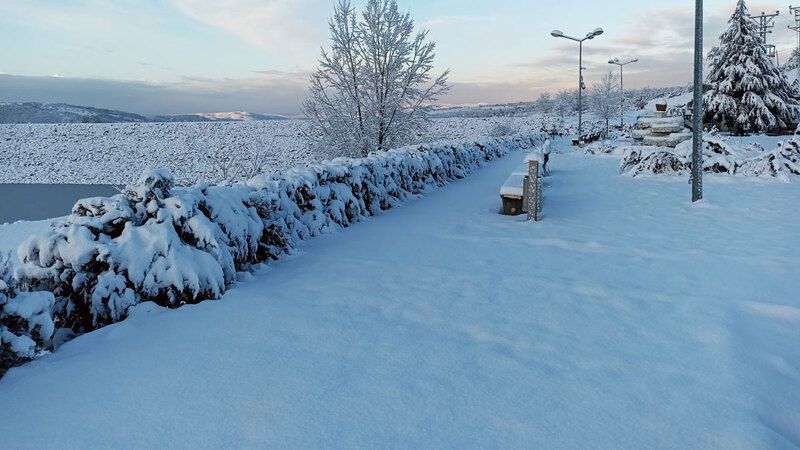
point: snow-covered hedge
(177, 245)
(26, 323)
(719, 156)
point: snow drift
(156, 242)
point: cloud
(84, 17)
(662, 39)
(471, 93)
(275, 94)
(266, 23)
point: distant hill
(240, 116)
(30, 112)
(62, 113)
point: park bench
(587, 138)
(519, 193)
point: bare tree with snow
(373, 89)
(544, 103)
(565, 103)
(604, 99)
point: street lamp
(697, 108)
(581, 86)
(617, 62)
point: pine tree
(748, 92)
(790, 69)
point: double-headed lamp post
(581, 85)
(617, 62)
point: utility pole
(795, 10)
(766, 22)
(697, 118)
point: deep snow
(627, 318)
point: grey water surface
(44, 201)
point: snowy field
(118, 153)
(628, 318)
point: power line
(795, 10)
(765, 23)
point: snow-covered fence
(177, 245)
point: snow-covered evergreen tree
(748, 92)
(374, 87)
(790, 69)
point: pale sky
(181, 56)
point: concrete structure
(663, 129)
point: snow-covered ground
(118, 153)
(627, 318)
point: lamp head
(557, 33)
(597, 32)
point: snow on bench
(513, 187)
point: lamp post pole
(580, 92)
(592, 35)
(615, 61)
(697, 115)
(621, 100)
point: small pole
(697, 147)
(534, 191)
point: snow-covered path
(628, 318)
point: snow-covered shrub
(780, 163)
(719, 156)
(652, 161)
(602, 148)
(26, 325)
(176, 245)
(153, 242)
(501, 130)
